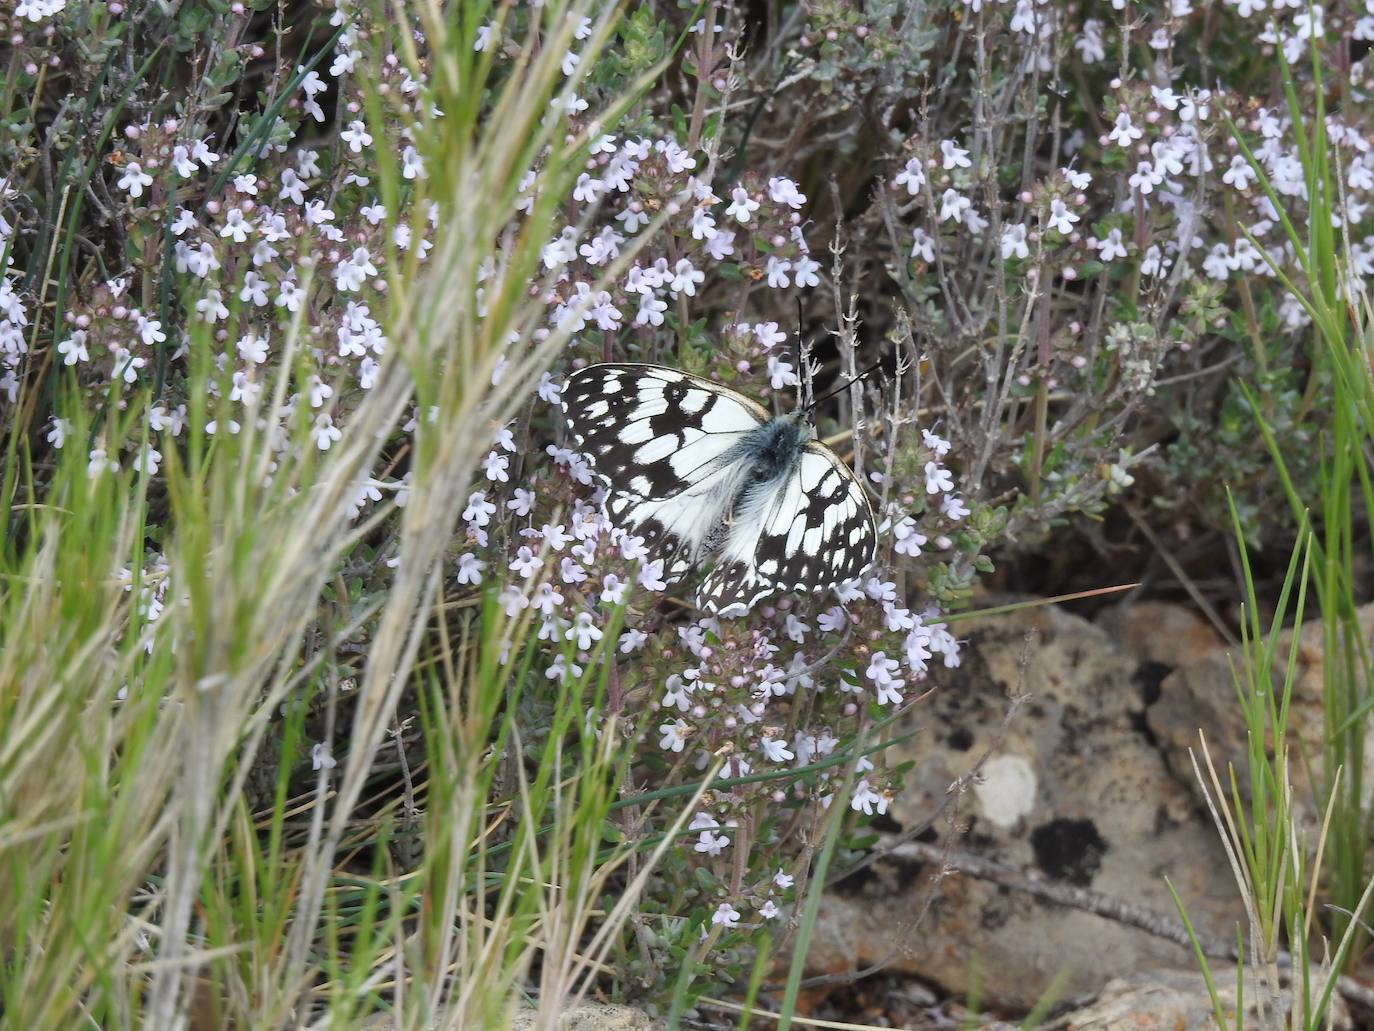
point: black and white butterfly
(704, 473)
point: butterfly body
(705, 474)
(772, 450)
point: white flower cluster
(296, 242)
(37, 10)
(267, 256)
(14, 317)
(1149, 218)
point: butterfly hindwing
(644, 519)
(814, 530)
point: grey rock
(1075, 793)
(590, 1016)
(1200, 695)
(1179, 1000)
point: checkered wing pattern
(653, 432)
(813, 531)
(680, 457)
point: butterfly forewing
(673, 452)
(652, 432)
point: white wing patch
(695, 400)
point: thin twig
(1199, 599)
(1107, 906)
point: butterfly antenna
(845, 386)
(802, 380)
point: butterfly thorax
(766, 456)
(770, 452)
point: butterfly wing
(811, 532)
(652, 432)
(664, 444)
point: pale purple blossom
(953, 204)
(742, 206)
(1113, 247)
(674, 738)
(470, 569)
(1124, 132)
(804, 270)
(726, 915)
(1060, 217)
(867, 800)
(912, 176)
(938, 478)
(775, 749)
(953, 156)
(1014, 241)
(781, 373)
(134, 180)
(922, 245)
(785, 191)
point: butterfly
(705, 474)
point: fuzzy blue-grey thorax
(771, 450)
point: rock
(1161, 632)
(579, 1016)
(1200, 694)
(1075, 793)
(1179, 1001)
(591, 1016)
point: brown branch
(1107, 906)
